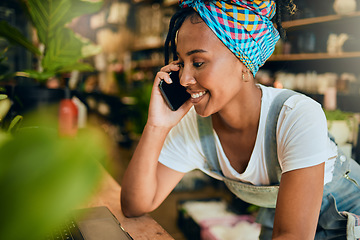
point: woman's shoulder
(298, 100)
(300, 111)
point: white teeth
(197, 95)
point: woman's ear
(246, 75)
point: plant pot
(340, 130)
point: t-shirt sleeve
(175, 152)
(302, 134)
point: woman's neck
(243, 113)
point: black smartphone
(175, 94)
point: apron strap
(208, 143)
(272, 162)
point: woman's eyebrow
(194, 51)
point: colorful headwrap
(243, 26)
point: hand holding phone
(174, 94)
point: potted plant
(60, 50)
(340, 125)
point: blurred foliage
(5, 105)
(337, 115)
(139, 111)
(43, 177)
(63, 49)
(4, 67)
(14, 36)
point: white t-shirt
(302, 141)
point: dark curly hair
(183, 13)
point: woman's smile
(197, 97)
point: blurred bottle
(82, 112)
(330, 100)
(68, 116)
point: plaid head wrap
(244, 27)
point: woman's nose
(186, 78)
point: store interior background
(321, 58)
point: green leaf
(15, 124)
(41, 76)
(43, 177)
(5, 105)
(63, 50)
(51, 15)
(82, 67)
(14, 36)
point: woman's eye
(197, 64)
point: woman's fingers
(163, 76)
(164, 72)
(173, 66)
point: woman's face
(211, 73)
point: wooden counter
(140, 227)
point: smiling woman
(268, 145)
(203, 60)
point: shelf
(322, 19)
(286, 25)
(292, 25)
(148, 63)
(313, 56)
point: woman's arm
(298, 204)
(147, 182)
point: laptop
(95, 223)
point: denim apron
(335, 222)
